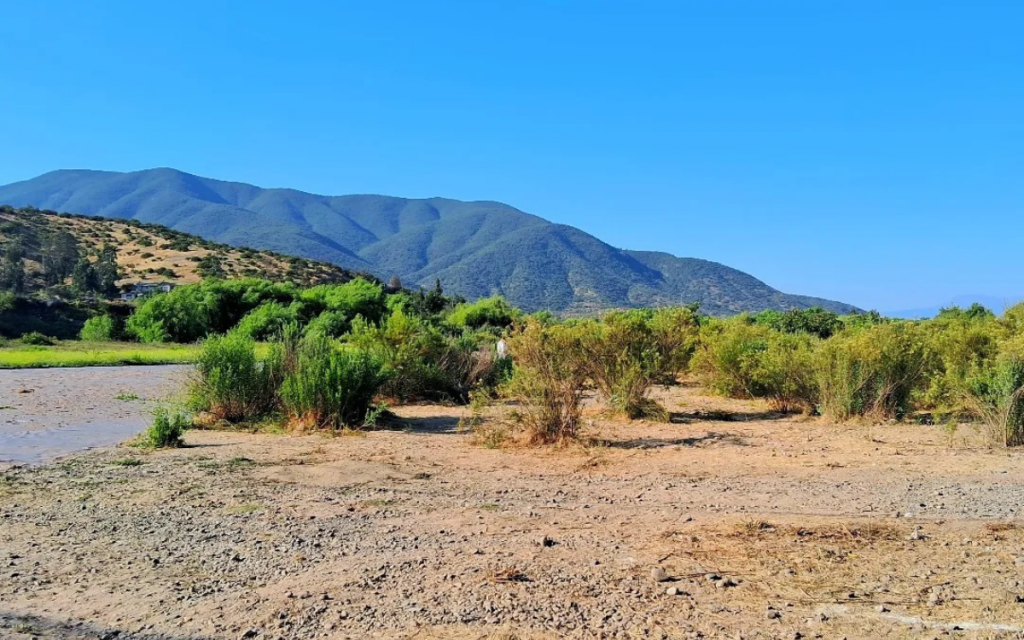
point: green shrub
(267, 320)
(331, 388)
(626, 362)
(37, 339)
(872, 372)
(815, 321)
(183, 315)
(232, 383)
(331, 324)
(423, 363)
(552, 367)
(356, 298)
(783, 373)
(962, 345)
(167, 429)
(996, 394)
(98, 329)
(738, 358)
(728, 354)
(492, 312)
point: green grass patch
(127, 462)
(74, 353)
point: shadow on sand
(710, 438)
(32, 626)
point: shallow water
(41, 445)
(48, 413)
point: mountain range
(475, 249)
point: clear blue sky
(867, 151)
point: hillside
(475, 248)
(147, 252)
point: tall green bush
(98, 329)
(996, 393)
(728, 353)
(267, 320)
(628, 357)
(331, 387)
(493, 312)
(872, 372)
(232, 383)
(421, 361)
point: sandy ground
(45, 413)
(729, 523)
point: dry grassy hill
(151, 253)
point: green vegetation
(167, 429)
(92, 354)
(231, 382)
(98, 329)
(550, 378)
(331, 387)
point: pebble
(658, 574)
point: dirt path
(765, 527)
(46, 413)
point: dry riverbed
(730, 522)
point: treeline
(965, 364)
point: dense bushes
(192, 312)
(99, 329)
(359, 341)
(331, 387)
(314, 382)
(232, 383)
(871, 372)
(422, 362)
(491, 312)
(631, 351)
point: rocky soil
(730, 522)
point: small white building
(145, 289)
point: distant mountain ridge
(475, 248)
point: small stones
(659, 575)
(772, 614)
(672, 591)
(251, 633)
(882, 609)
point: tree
(106, 270)
(83, 277)
(12, 268)
(59, 256)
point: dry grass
(504, 575)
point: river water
(48, 413)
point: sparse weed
(167, 429)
